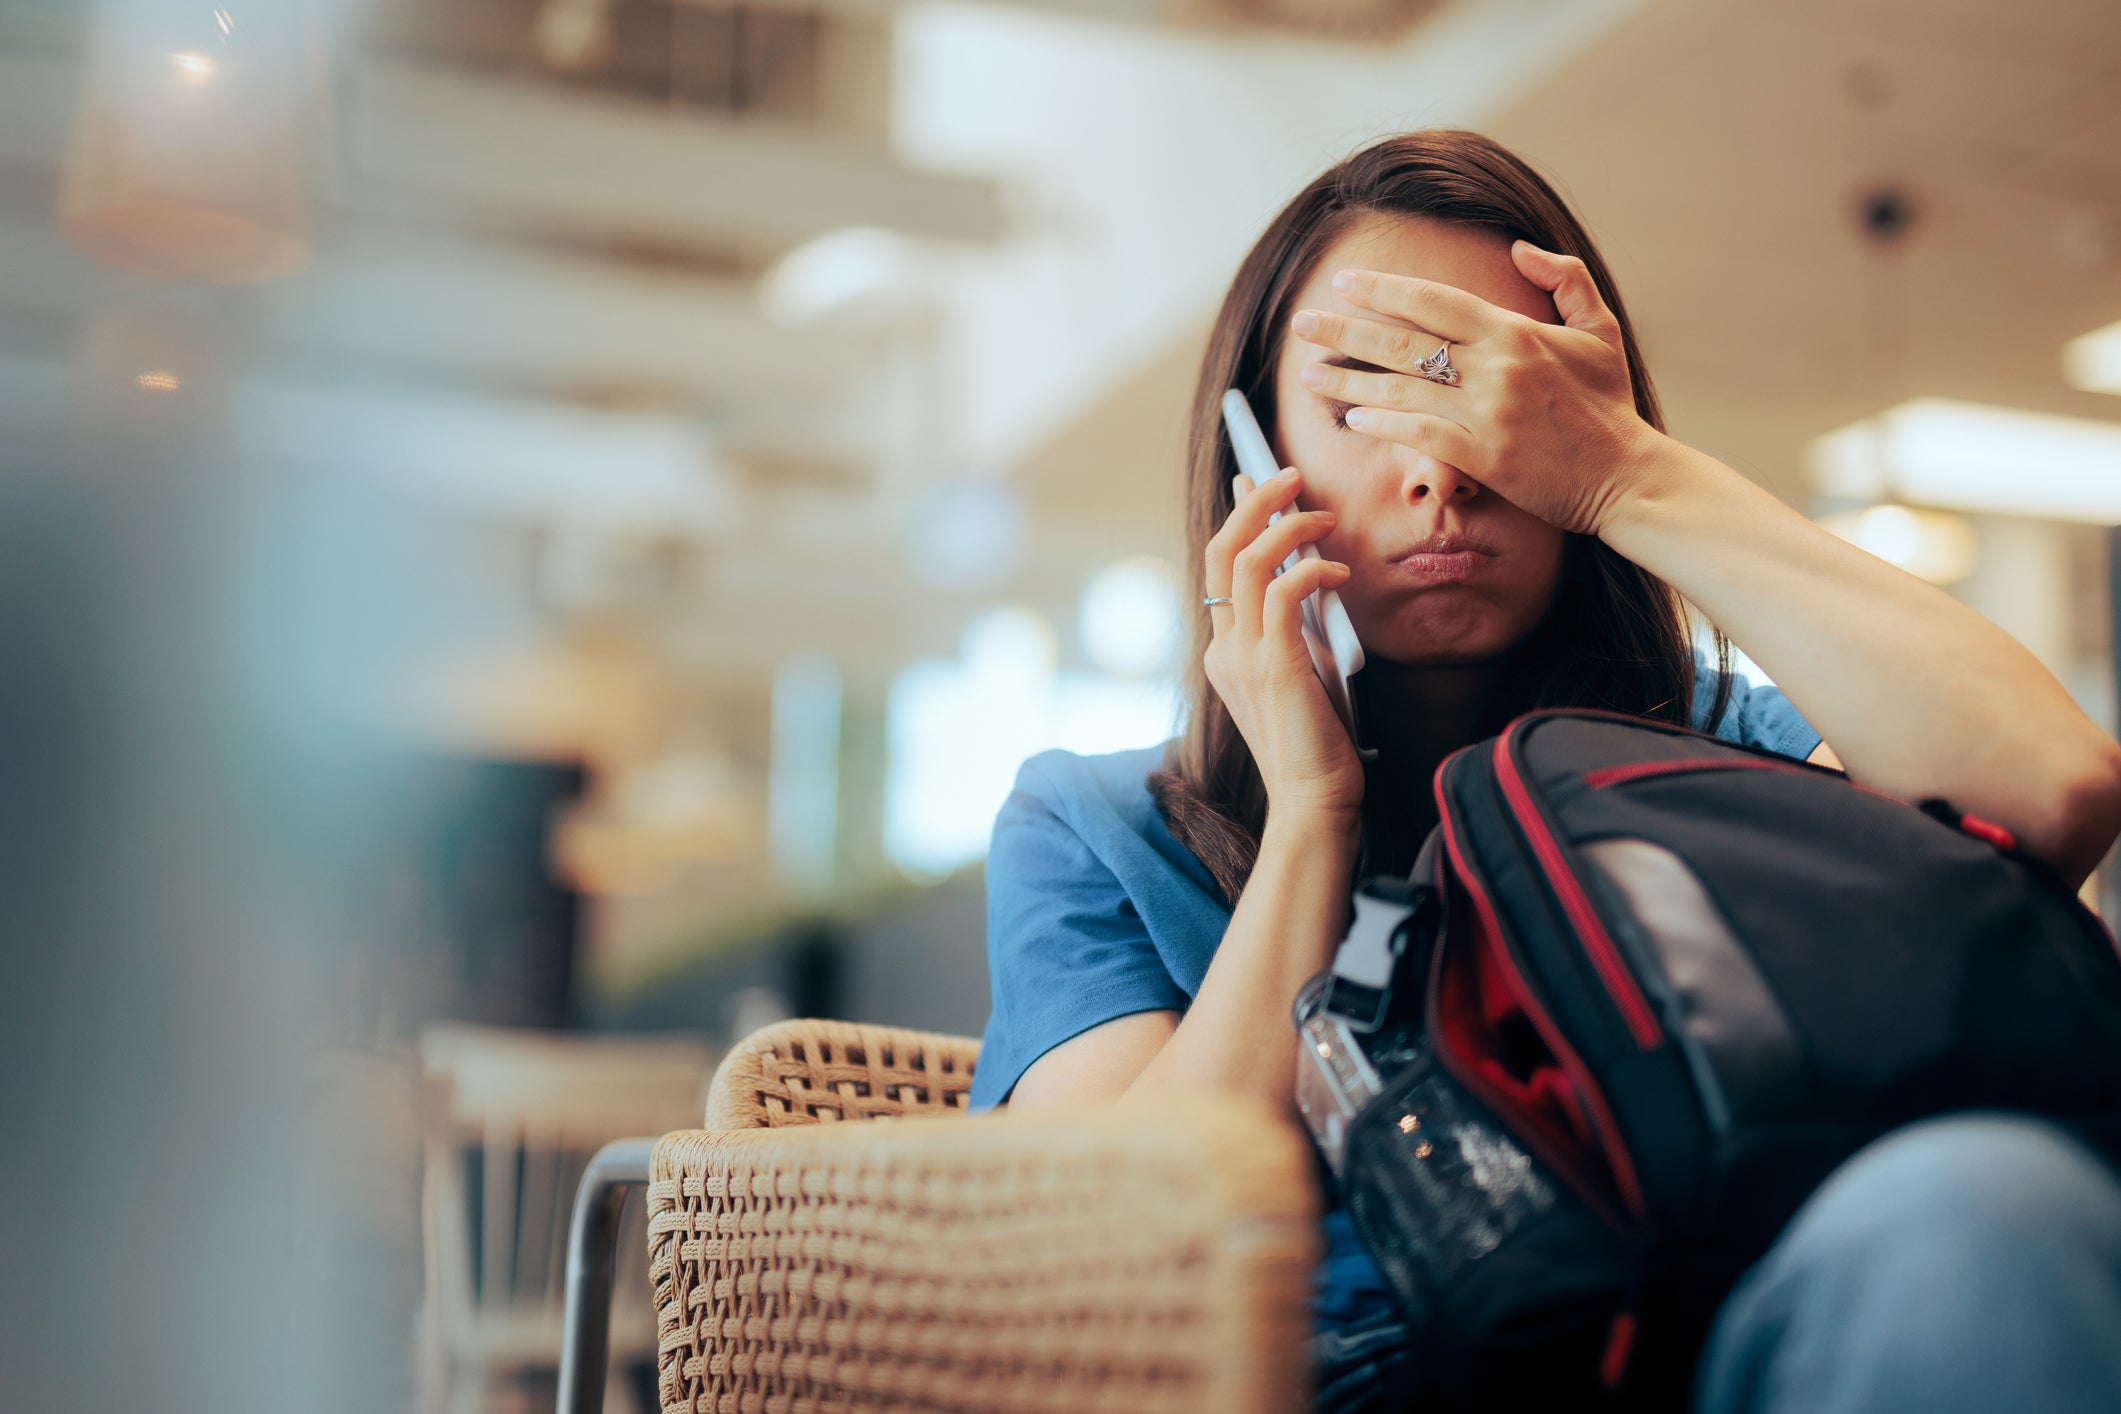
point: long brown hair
(1617, 636)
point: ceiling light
(2093, 362)
(185, 164)
(574, 35)
(1972, 457)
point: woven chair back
(820, 1072)
(1143, 1260)
(1139, 1260)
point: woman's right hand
(1257, 661)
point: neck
(1419, 715)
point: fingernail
(1344, 281)
(1357, 417)
(1287, 474)
(1305, 322)
(1314, 375)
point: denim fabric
(1359, 1345)
(1363, 1366)
(1959, 1265)
(1964, 1264)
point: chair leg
(592, 1246)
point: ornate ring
(1437, 366)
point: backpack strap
(1387, 912)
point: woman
(1519, 537)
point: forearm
(1237, 1034)
(1918, 695)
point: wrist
(1314, 823)
(1655, 472)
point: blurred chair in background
(1150, 1255)
(512, 1120)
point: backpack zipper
(1619, 982)
(1607, 776)
(1589, 1095)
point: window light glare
(959, 728)
(838, 269)
(1129, 619)
(193, 67)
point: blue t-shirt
(1095, 912)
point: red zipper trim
(1587, 1090)
(1988, 831)
(1570, 1172)
(1619, 1345)
(1619, 982)
(1606, 776)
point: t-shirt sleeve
(1755, 716)
(1066, 948)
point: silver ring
(1437, 366)
(1213, 600)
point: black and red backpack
(1643, 989)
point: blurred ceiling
(574, 205)
(1724, 154)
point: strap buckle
(1359, 989)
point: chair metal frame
(615, 1173)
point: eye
(1340, 413)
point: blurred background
(534, 535)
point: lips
(1445, 559)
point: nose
(1428, 479)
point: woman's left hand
(1543, 414)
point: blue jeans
(1971, 1263)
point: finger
(1569, 280)
(1394, 347)
(1394, 391)
(1221, 616)
(1282, 615)
(1438, 437)
(1243, 525)
(1443, 310)
(1254, 568)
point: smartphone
(1335, 651)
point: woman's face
(1444, 570)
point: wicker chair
(1138, 1256)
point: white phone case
(1335, 651)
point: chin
(1437, 635)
